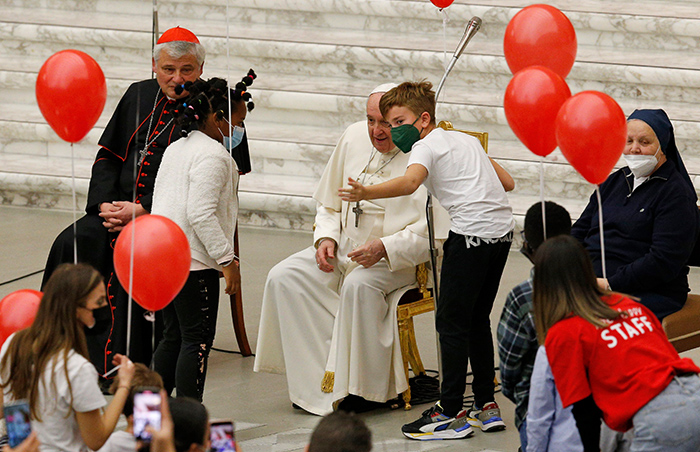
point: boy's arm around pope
(400, 186)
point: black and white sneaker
(433, 424)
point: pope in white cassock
(329, 312)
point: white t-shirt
(58, 430)
(120, 441)
(465, 183)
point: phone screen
(17, 422)
(222, 437)
(146, 412)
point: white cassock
(339, 330)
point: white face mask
(641, 165)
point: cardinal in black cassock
(138, 133)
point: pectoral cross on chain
(357, 211)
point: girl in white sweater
(196, 187)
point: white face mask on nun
(641, 165)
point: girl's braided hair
(210, 96)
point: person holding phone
(223, 438)
(31, 444)
(59, 382)
(125, 441)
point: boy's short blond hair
(418, 97)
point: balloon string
(234, 214)
(544, 215)
(133, 232)
(600, 226)
(75, 205)
(445, 19)
(228, 71)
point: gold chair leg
(413, 353)
(404, 338)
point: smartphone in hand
(17, 422)
(222, 436)
(147, 402)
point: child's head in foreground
(143, 376)
(340, 432)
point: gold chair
(420, 300)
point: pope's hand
(356, 191)
(368, 254)
(325, 251)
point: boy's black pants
(471, 274)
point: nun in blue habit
(650, 218)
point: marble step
(282, 88)
(618, 24)
(51, 32)
(290, 167)
(257, 207)
(24, 130)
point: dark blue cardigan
(649, 233)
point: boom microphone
(473, 26)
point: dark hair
(55, 332)
(341, 432)
(558, 223)
(565, 285)
(210, 97)
(190, 420)
(143, 376)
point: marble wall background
(317, 60)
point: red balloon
(71, 92)
(161, 260)
(540, 35)
(442, 3)
(591, 132)
(532, 100)
(17, 311)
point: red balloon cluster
(71, 92)
(17, 311)
(533, 99)
(161, 260)
(591, 131)
(540, 35)
(589, 128)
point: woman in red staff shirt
(610, 357)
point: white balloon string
(600, 227)
(228, 72)
(544, 215)
(75, 205)
(133, 230)
(234, 213)
(445, 19)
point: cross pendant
(142, 155)
(357, 211)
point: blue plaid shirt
(517, 347)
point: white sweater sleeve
(208, 176)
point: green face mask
(405, 136)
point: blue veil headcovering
(662, 127)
